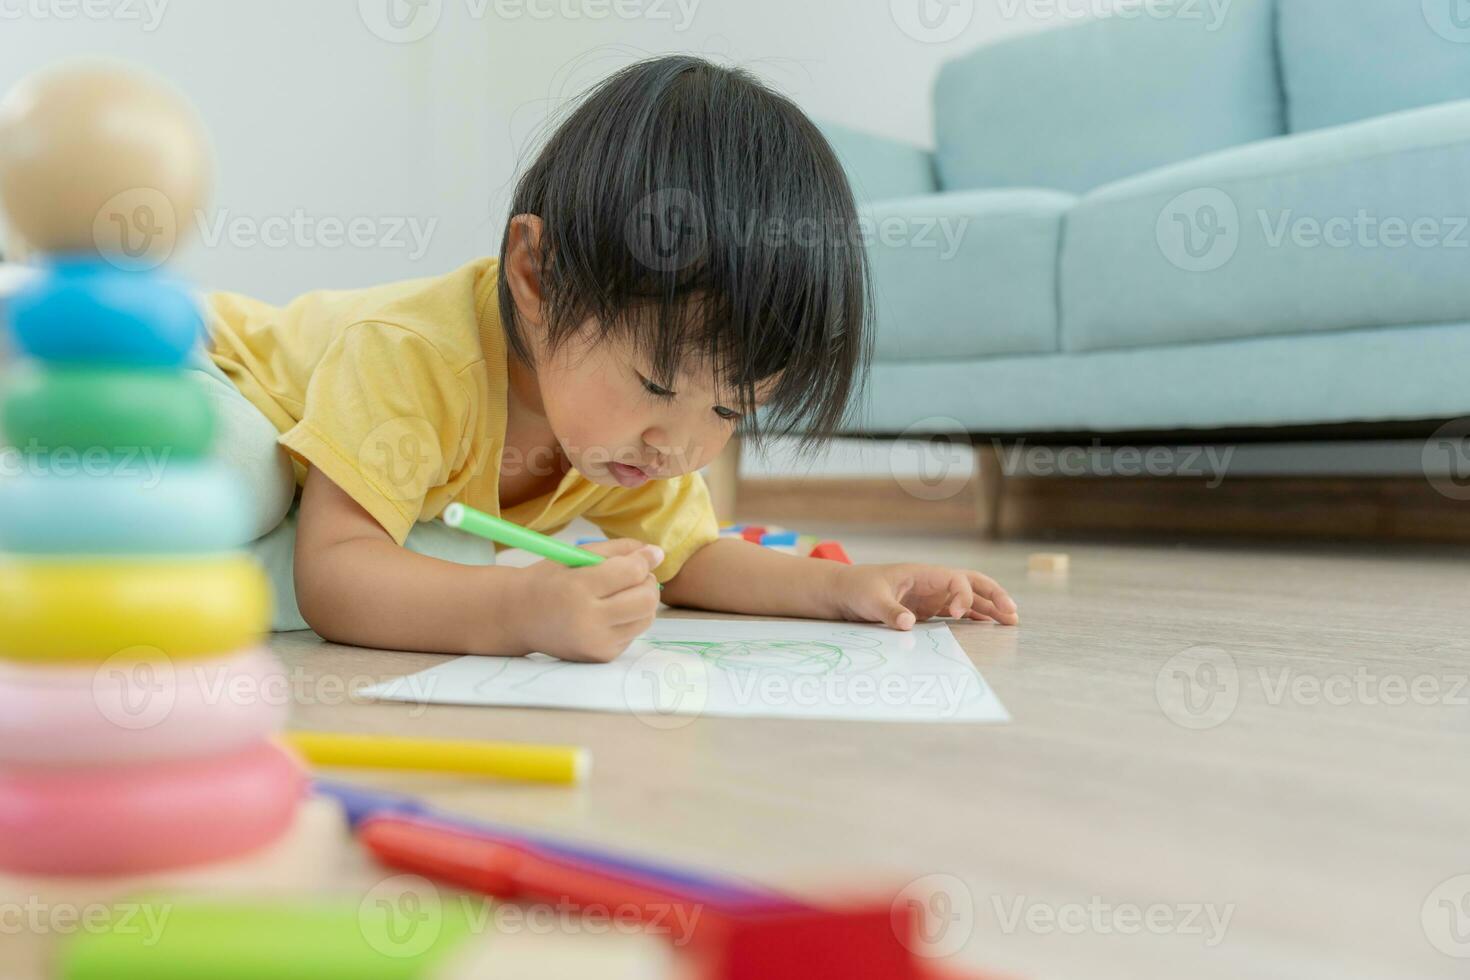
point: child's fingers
(624, 572)
(988, 588)
(626, 633)
(896, 615)
(632, 605)
(994, 603)
(984, 607)
(612, 643)
(615, 548)
(961, 595)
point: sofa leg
(990, 484)
(723, 477)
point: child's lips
(628, 476)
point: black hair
(689, 208)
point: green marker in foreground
(501, 531)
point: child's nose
(660, 444)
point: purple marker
(360, 803)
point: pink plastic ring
(131, 712)
(134, 819)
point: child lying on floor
(681, 264)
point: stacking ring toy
(86, 311)
(144, 410)
(183, 507)
(133, 819)
(139, 713)
(68, 611)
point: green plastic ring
(85, 408)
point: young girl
(682, 263)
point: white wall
(317, 118)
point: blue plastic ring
(137, 508)
(89, 312)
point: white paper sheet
(684, 668)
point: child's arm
(355, 585)
(731, 575)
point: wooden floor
(1211, 772)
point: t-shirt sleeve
(384, 418)
(676, 515)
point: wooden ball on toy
(98, 159)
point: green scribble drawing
(811, 657)
(531, 680)
(945, 652)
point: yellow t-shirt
(397, 393)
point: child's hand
(901, 595)
(590, 615)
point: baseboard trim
(1335, 508)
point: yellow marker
(505, 760)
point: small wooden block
(1055, 562)
(832, 551)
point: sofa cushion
(1354, 226)
(1345, 60)
(1352, 376)
(1078, 106)
(965, 275)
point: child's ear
(521, 266)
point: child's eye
(656, 390)
(727, 414)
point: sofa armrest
(968, 274)
(880, 168)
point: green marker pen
(403, 929)
(501, 531)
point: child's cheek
(598, 414)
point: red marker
(758, 940)
(521, 872)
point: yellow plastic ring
(89, 611)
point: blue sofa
(1159, 222)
